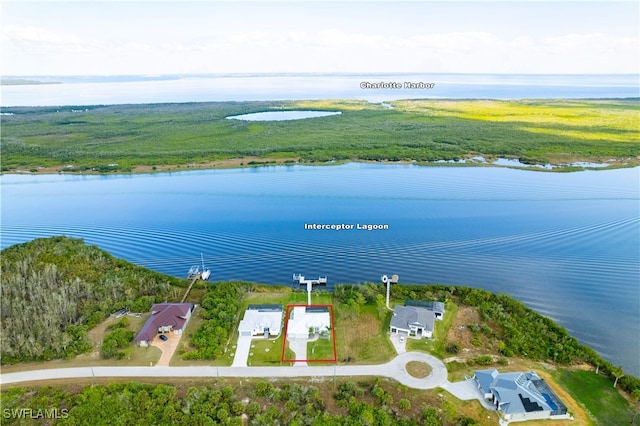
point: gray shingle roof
(404, 316)
(431, 305)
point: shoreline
(252, 162)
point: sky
(170, 37)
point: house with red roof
(165, 318)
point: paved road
(395, 369)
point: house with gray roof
(412, 321)
(416, 318)
(519, 396)
(431, 305)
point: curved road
(394, 369)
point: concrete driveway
(242, 351)
(399, 346)
(299, 346)
(168, 347)
(467, 390)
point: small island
(68, 305)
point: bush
(484, 360)
(453, 348)
(404, 404)
(123, 323)
(252, 409)
(115, 340)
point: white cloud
(31, 34)
(325, 50)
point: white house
(304, 320)
(519, 396)
(261, 320)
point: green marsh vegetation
(126, 138)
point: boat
(206, 273)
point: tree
(617, 373)
(404, 404)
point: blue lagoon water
(566, 244)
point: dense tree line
(220, 308)
(55, 289)
(261, 404)
(520, 330)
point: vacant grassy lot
(363, 338)
(124, 138)
(597, 396)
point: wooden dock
(194, 278)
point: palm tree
(617, 373)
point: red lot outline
(333, 335)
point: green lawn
(317, 298)
(321, 349)
(119, 138)
(286, 296)
(266, 352)
(597, 395)
(436, 345)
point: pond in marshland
(282, 115)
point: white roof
(302, 320)
(257, 320)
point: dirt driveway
(167, 347)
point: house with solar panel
(520, 396)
